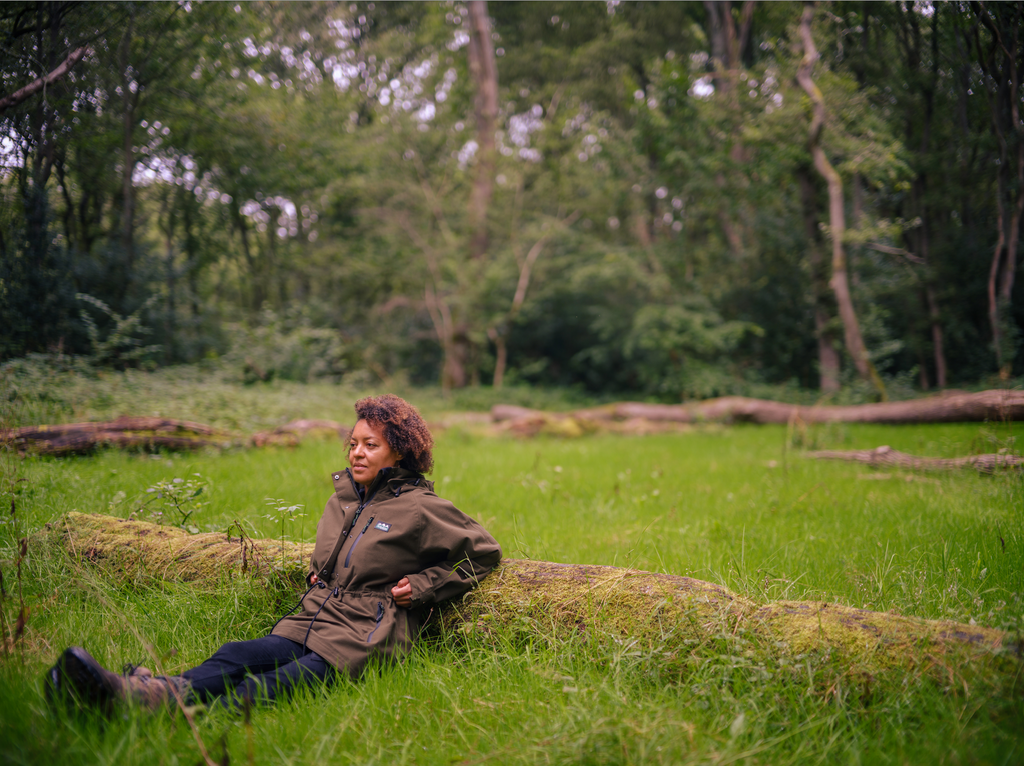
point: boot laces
(129, 670)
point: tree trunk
(938, 346)
(840, 280)
(456, 355)
(1000, 405)
(68, 214)
(934, 317)
(1001, 65)
(828, 355)
(170, 269)
(497, 333)
(192, 264)
(129, 101)
(729, 37)
(887, 457)
(256, 297)
(678, 614)
(484, 72)
(497, 336)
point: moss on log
(130, 549)
(157, 433)
(125, 432)
(536, 596)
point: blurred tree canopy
(614, 195)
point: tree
(483, 70)
(41, 43)
(608, 205)
(837, 225)
(999, 56)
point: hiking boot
(78, 675)
(154, 692)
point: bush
(288, 347)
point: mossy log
(950, 407)
(655, 610)
(125, 432)
(887, 457)
(157, 433)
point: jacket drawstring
(305, 638)
(318, 583)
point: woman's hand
(402, 593)
(313, 579)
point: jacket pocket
(380, 616)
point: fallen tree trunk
(655, 609)
(153, 433)
(290, 434)
(72, 438)
(887, 457)
(995, 405)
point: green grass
(735, 506)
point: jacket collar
(395, 478)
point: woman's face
(369, 452)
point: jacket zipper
(346, 532)
(380, 616)
(348, 557)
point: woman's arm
(467, 552)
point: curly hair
(403, 428)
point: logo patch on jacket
(382, 526)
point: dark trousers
(261, 669)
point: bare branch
(531, 257)
(43, 82)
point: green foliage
(677, 348)
(180, 498)
(302, 178)
(285, 514)
(288, 347)
(118, 347)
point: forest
(669, 200)
(702, 261)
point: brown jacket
(400, 528)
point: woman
(387, 550)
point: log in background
(996, 405)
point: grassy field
(738, 506)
